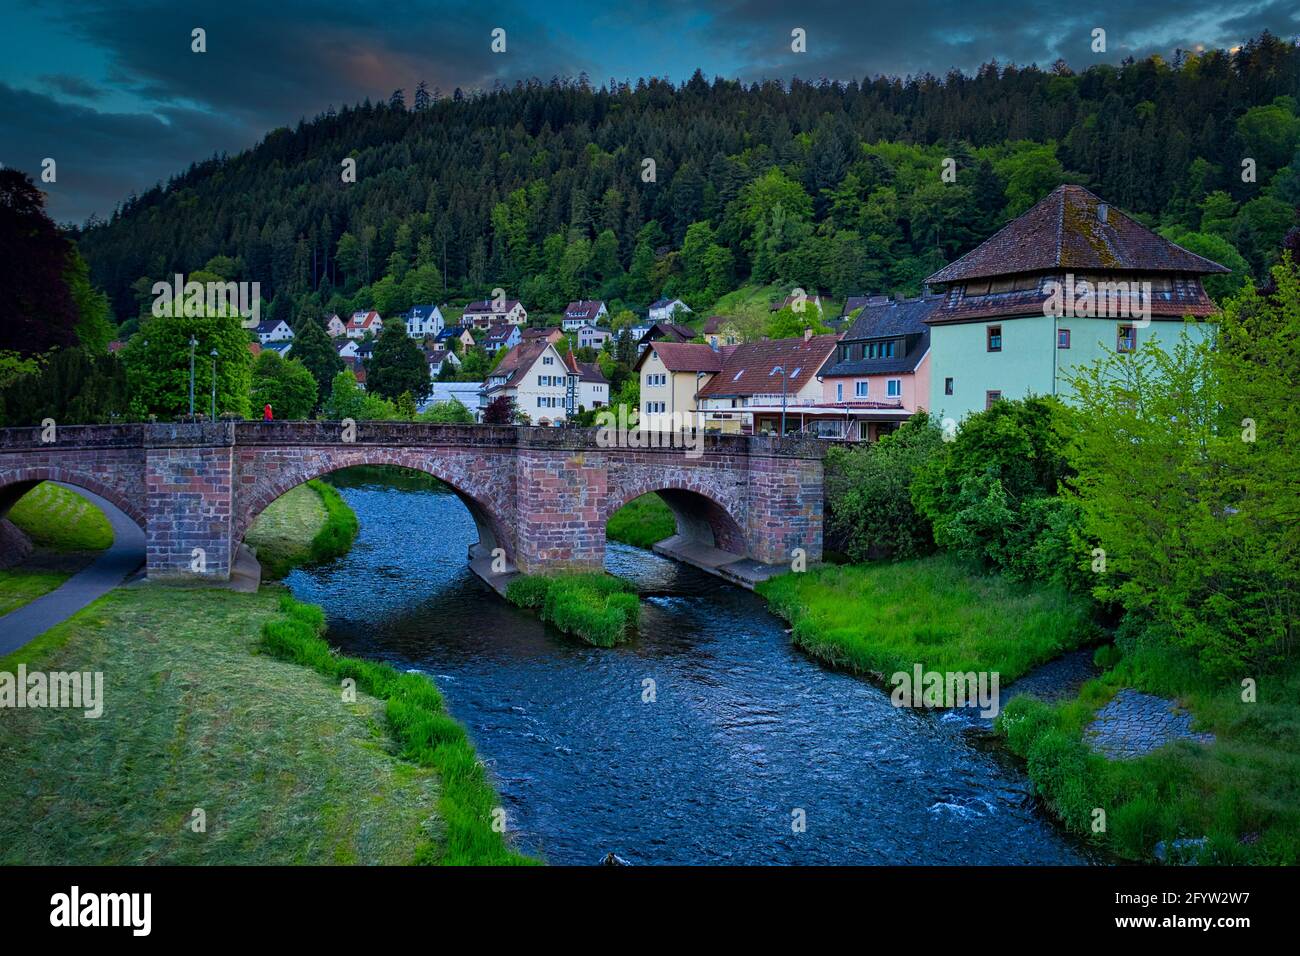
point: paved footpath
(1133, 724)
(111, 568)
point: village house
(364, 322)
(358, 370)
(759, 381)
(1070, 281)
(487, 313)
(501, 337)
(466, 393)
(274, 330)
(281, 348)
(591, 337)
(422, 321)
(667, 331)
(551, 334)
(335, 327)
(458, 332)
(671, 373)
(583, 312)
(720, 330)
(588, 387)
(535, 376)
(440, 359)
(879, 372)
(667, 310)
(347, 348)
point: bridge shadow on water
(706, 739)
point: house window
(547, 360)
(1062, 338)
(990, 397)
(839, 391)
(1126, 339)
(995, 338)
(860, 389)
(947, 386)
(894, 387)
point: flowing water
(707, 739)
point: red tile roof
(1065, 231)
(517, 362)
(747, 369)
(685, 356)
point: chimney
(807, 333)
(1102, 211)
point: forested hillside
(544, 188)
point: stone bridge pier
(540, 497)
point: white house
(422, 320)
(439, 358)
(363, 322)
(274, 330)
(282, 347)
(335, 326)
(664, 310)
(589, 336)
(487, 313)
(583, 312)
(347, 349)
(535, 376)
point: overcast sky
(112, 91)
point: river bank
(229, 735)
(694, 743)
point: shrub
(598, 608)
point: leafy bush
(868, 493)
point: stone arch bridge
(541, 495)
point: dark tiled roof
(518, 361)
(885, 318)
(671, 331)
(747, 369)
(583, 309)
(1064, 231)
(684, 356)
(487, 307)
(586, 371)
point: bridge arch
(492, 528)
(17, 482)
(702, 518)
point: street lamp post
(193, 343)
(213, 353)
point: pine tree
(397, 365)
(313, 348)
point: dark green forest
(544, 188)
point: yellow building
(671, 373)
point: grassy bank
(641, 522)
(1242, 792)
(598, 608)
(427, 736)
(884, 618)
(197, 715)
(66, 530)
(305, 525)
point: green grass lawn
(66, 531)
(308, 523)
(1242, 791)
(22, 585)
(884, 618)
(601, 609)
(196, 717)
(61, 520)
(641, 522)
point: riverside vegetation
(601, 609)
(1157, 516)
(228, 736)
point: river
(738, 740)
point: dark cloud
(71, 86)
(162, 106)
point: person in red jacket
(266, 413)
